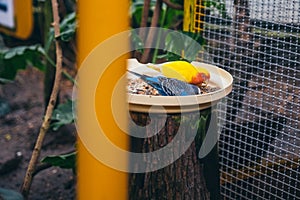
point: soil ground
(18, 132)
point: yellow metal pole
(99, 20)
(188, 18)
(193, 16)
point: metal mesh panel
(258, 42)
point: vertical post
(193, 15)
(188, 18)
(99, 20)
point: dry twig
(47, 118)
(173, 5)
(152, 32)
(144, 19)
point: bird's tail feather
(153, 81)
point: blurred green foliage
(16, 58)
(177, 45)
(20, 57)
(65, 161)
(62, 115)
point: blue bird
(169, 86)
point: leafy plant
(182, 46)
(152, 13)
(62, 115)
(14, 59)
(136, 11)
(136, 42)
(67, 30)
(65, 161)
(170, 16)
(63, 31)
(17, 58)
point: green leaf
(3, 81)
(136, 41)
(10, 53)
(172, 17)
(62, 115)
(65, 161)
(68, 21)
(136, 10)
(136, 16)
(67, 35)
(49, 40)
(67, 30)
(68, 27)
(177, 43)
(7, 194)
(14, 59)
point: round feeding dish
(177, 104)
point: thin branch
(65, 73)
(144, 19)
(41, 167)
(173, 5)
(152, 32)
(47, 118)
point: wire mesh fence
(258, 42)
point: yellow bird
(185, 71)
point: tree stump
(184, 178)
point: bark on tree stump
(182, 179)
